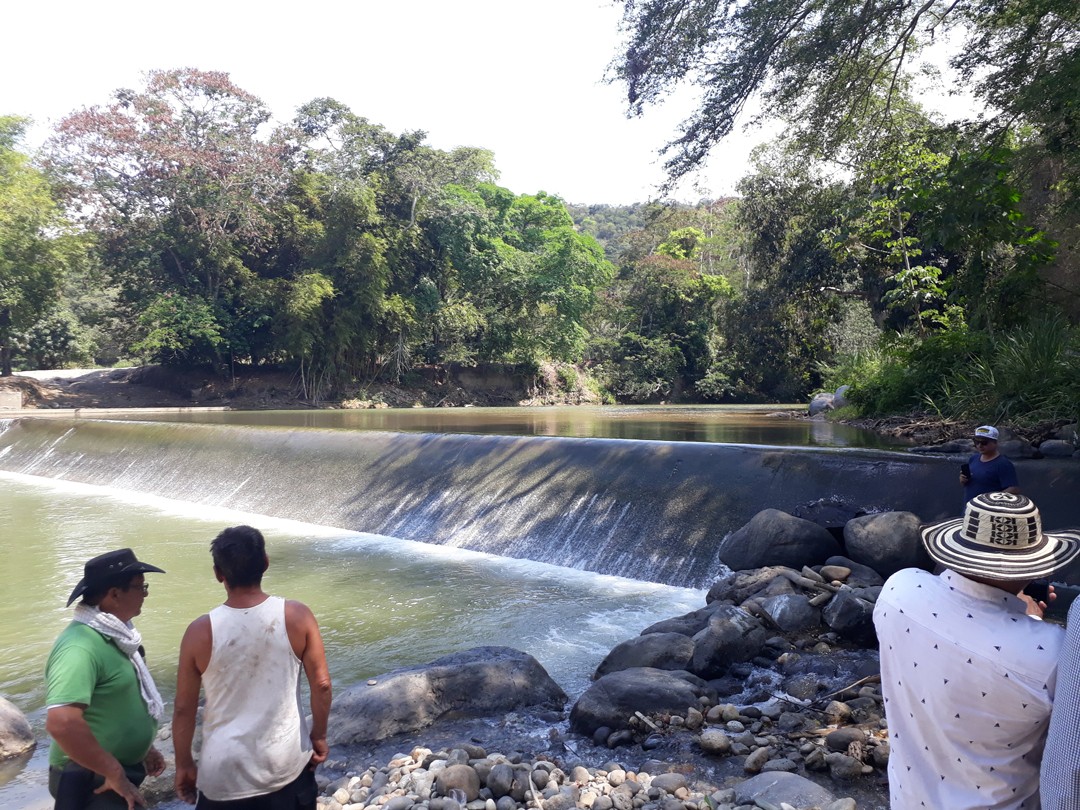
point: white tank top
(255, 736)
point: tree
(180, 182)
(34, 246)
(832, 67)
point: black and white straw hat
(1000, 536)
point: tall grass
(1026, 376)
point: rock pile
(468, 778)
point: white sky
(519, 77)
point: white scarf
(128, 639)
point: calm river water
(382, 603)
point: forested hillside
(931, 264)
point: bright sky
(523, 79)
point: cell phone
(965, 470)
(1038, 589)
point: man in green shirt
(103, 706)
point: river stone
(821, 403)
(1016, 448)
(862, 576)
(733, 636)
(779, 786)
(1057, 448)
(458, 777)
(739, 586)
(714, 741)
(612, 700)
(841, 766)
(1068, 433)
(840, 739)
(887, 542)
(851, 617)
(16, 735)
(840, 399)
(830, 513)
(688, 624)
(791, 612)
(413, 698)
(657, 650)
(773, 537)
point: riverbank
(268, 388)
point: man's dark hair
(240, 556)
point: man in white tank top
(257, 752)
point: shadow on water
(647, 510)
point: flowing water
(382, 603)
(412, 534)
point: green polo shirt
(87, 667)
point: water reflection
(764, 425)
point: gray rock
(714, 741)
(773, 537)
(887, 542)
(1016, 448)
(1057, 448)
(778, 787)
(670, 782)
(840, 396)
(458, 777)
(742, 585)
(821, 403)
(658, 650)
(840, 739)
(781, 764)
(1068, 433)
(16, 735)
(410, 699)
(851, 617)
(733, 636)
(757, 759)
(841, 766)
(688, 624)
(861, 575)
(614, 698)
(791, 612)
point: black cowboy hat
(110, 566)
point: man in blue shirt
(990, 471)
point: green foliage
(179, 331)
(1024, 376)
(56, 341)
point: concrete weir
(649, 510)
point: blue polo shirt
(989, 476)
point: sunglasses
(982, 441)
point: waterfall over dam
(649, 510)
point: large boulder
(612, 700)
(657, 650)
(773, 537)
(887, 542)
(16, 735)
(479, 682)
(1057, 448)
(732, 636)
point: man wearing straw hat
(103, 706)
(967, 670)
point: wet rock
(791, 612)
(860, 576)
(835, 573)
(821, 403)
(756, 760)
(732, 636)
(688, 624)
(1016, 448)
(798, 791)
(781, 764)
(773, 537)
(412, 698)
(743, 585)
(669, 651)
(714, 741)
(16, 735)
(887, 542)
(850, 616)
(614, 698)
